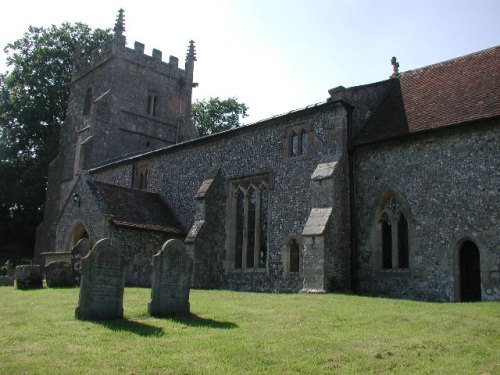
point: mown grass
(249, 333)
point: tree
(34, 95)
(215, 115)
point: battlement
(117, 48)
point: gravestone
(102, 282)
(78, 251)
(29, 276)
(172, 269)
(6, 281)
(59, 274)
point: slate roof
(453, 92)
(136, 208)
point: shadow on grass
(131, 326)
(193, 320)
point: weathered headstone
(102, 282)
(78, 251)
(59, 274)
(29, 276)
(172, 269)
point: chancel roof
(136, 208)
(453, 92)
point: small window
(152, 102)
(88, 102)
(140, 176)
(386, 242)
(299, 141)
(403, 241)
(294, 250)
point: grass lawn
(249, 333)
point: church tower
(121, 102)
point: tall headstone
(59, 274)
(172, 269)
(78, 251)
(102, 282)
(29, 276)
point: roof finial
(395, 67)
(120, 23)
(191, 54)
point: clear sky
(280, 55)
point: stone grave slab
(172, 270)
(29, 276)
(102, 283)
(59, 274)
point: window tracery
(394, 235)
(250, 224)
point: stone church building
(389, 188)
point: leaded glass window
(250, 210)
(294, 145)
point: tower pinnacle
(191, 54)
(120, 23)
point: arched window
(250, 222)
(394, 237)
(140, 172)
(88, 102)
(294, 249)
(470, 272)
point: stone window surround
(393, 206)
(234, 184)
(299, 130)
(152, 101)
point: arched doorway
(76, 233)
(470, 273)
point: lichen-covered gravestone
(78, 251)
(59, 274)
(29, 277)
(172, 269)
(102, 282)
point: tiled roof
(453, 92)
(136, 208)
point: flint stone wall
(178, 172)
(449, 180)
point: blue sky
(280, 55)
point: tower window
(88, 102)
(152, 103)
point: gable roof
(453, 92)
(136, 208)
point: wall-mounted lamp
(76, 199)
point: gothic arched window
(304, 142)
(393, 234)
(294, 145)
(250, 223)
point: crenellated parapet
(82, 65)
